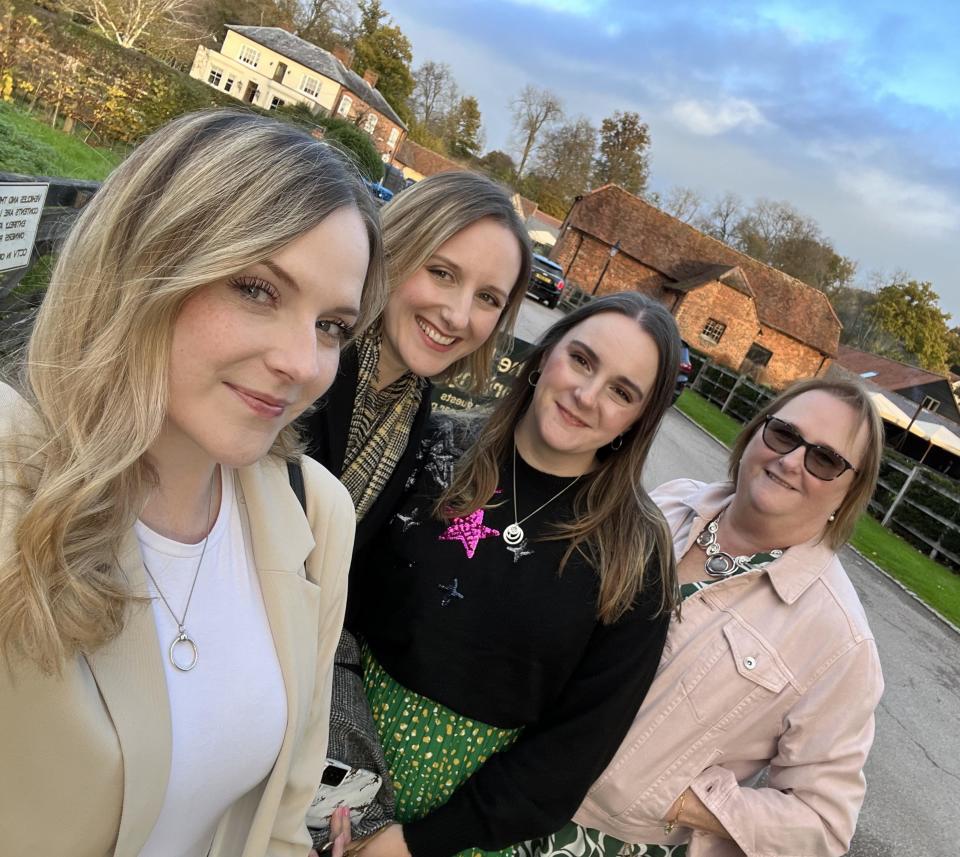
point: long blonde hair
(198, 201)
(427, 215)
(616, 525)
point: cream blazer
(85, 757)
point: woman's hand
(339, 831)
(694, 813)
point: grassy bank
(935, 585)
(32, 147)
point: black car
(686, 369)
(546, 281)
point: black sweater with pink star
(495, 633)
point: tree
(434, 93)
(684, 203)
(533, 110)
(909, 311)
(953, 350)
(624, 159)
(466, 136)
(324, 22)
(128, 22)
(563, 165)
(383, 48)
(498, 165)
(721, 220)
(778, 234)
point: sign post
(21, 206)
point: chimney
(344, 54)
(371, 77)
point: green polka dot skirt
(430, 750)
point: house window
(281, 72)
(713, 331)
(930, 403)
(345, 104)
(228, 86)
(310, 86)
(758, 355)
(215, 76)
(251, 56)
(394, 136)
(369, 122)
(276, 102)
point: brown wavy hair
(616, 526)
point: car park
(546, 281)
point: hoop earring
(533, 377)
(616, 443)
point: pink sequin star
(468, 530)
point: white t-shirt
(229, 712)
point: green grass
(30, 146)
(932, 583)
(709, 417)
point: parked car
(380, 193)
(686, 370)
(546, 281)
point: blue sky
(848, 110)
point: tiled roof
(425, 161)
(309, 55)
(890, 374)
(681, 252)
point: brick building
(270, 67)
(417, 162)
(740, 312)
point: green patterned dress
(574, 840)
(430, 750)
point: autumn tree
(326, 23)
(129, 22)
(466, 132)
(434, 95)
(684, 203)
(624, 157)
(562, 167)
(953, 350)
(381, 46)
(909, 311)
(534, 109)
(498, 165)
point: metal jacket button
(749, 663)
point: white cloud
(710, 119)
(914, 207)
(583, 8)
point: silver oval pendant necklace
(513, 533)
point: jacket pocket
(734, 671)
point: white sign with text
(20, 208)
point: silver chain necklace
(720, 563)
(183, 638)
(513, 534)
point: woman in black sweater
(515, 610)
(458, 262)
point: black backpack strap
(295, 473)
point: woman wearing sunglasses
(772, 663)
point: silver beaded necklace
(513, 534)
(183, 637)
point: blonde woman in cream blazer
(169, 611)
(86, 755)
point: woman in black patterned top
(458, 262)
(515, 610)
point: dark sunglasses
(820, 461)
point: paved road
(913, 773)
(912, 805)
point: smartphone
(342, 785)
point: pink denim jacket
(775, 667)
